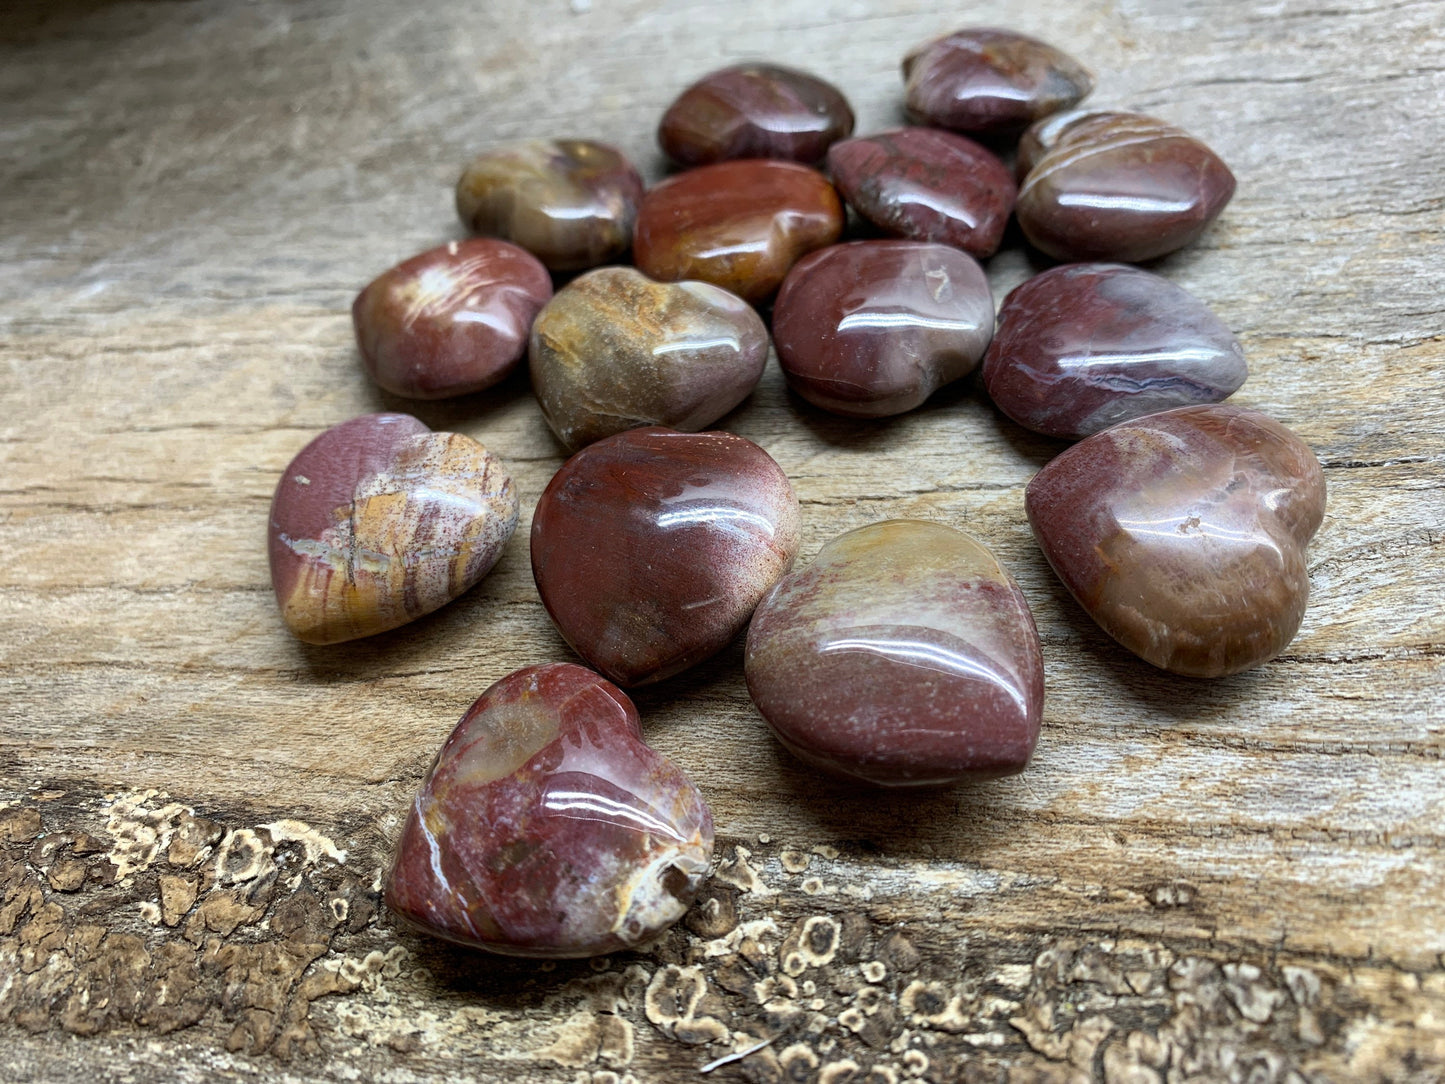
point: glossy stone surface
(755, 111)
(738, 225)
(379, 520)
(615, 350)
(872, 328)
(904, 655)
(570, 202)
(1085, 346)
(651, 548)
(547, 828)
(1117, 186)
(991, 81)
(926, 185)
(1183, 534)
(452, 320)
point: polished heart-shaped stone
(1116, 186)
(546, 827)
(754, 111)
(651, 548)
(615, 350)
(904, 655)
(739, 225)
(986, 80)
(569, 202)
(1085, 346)
(873, 328)
(379, 520)
(1183, 534)
(926, 185)
(452, 320)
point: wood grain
(1237, 880)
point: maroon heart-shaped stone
(546, 827)
(1085, 346)
(651, 548)
(1183, 534)
(379, 520)
(904, 655)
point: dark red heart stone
(983, 80)
(1183, 534)
(1117, 186)
(452, 320)
(873, 328)
(546, 827)
(926, 185)
(904, 655)
(755, 111)
(738, 225)
(651, 548)
(1085, 346)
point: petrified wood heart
(651, 548)
(379, 520)
(904, 655)
(547, 828)
(1183, 534)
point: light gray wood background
(1236, 880)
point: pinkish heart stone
(546, 827)
(1183, 534)
(904, 655)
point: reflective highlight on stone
(926, 185)
(983, 80)
(872, 328)
(904, 655)
(379, 520)
(547, 828)
(452, 320)
(570, 202)
(1117, 186)
(1183, 534)
(615, 350)
(755, 111)
(738, 225)
(651, 548)
(1085, 346)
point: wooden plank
(1224, 881)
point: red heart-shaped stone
(1183, 534)
(546, 827)
(651, 548)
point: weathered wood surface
(1239, 880)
